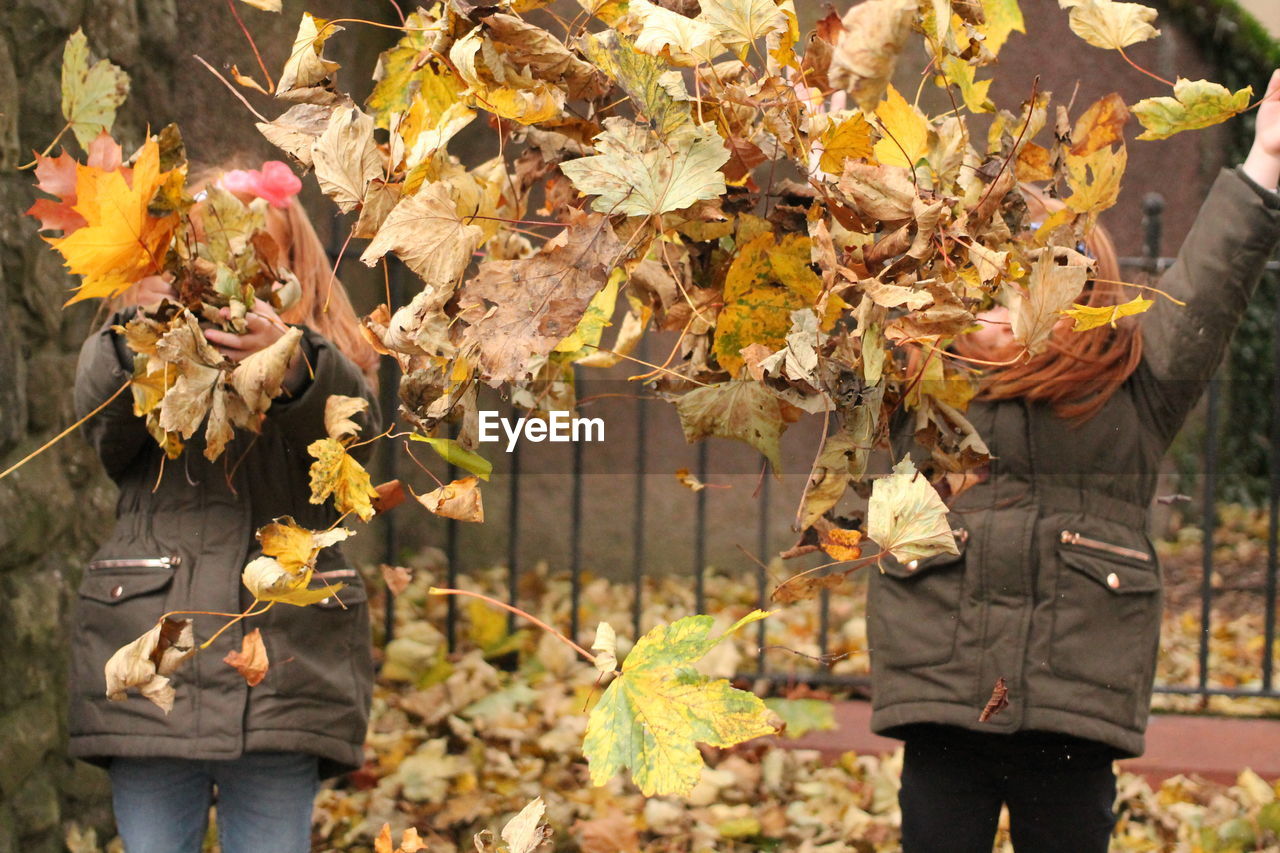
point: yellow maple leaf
(849, 139)
(652, 716)
(1003, 17)
(906, 132)
(283, 572)
(122, 243)
(336, 472)
(1095, 179)
(1091, 317)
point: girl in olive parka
(184, 531)
(1056, 589)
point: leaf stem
(51, 442)
(1138, 67)
(47, 148)
(436, 590)
(271, 85)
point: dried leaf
(259, 377)
(1050, 290)
(525, 832)
(1101, 126)
(460, 500)
(336, 472)
(606, 645)
(640, 174)
(306, 66)
(1109, 24)
(690, 482)
(906, 517)
(147, 662)
(841, 544)
(658, 92)
(538, 301)
(91, 94)
(906, 132)
(741, 409)
(1003, 17)
(849, 139)
(651, 717)
(427, 233)
(1195, 104)
(251, 660)
(338, 410)
(874, 33)
(688, 39)
(998, 702)
(1095, 179)
(346, 158)
(397, 578)
(1091, 317)
(297, 129)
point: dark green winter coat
(1057, 588)
(180, 541)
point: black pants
(1060, 791)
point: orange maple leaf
(121, 243)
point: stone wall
(54, 509)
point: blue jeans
(264, 802)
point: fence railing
(1150, 262)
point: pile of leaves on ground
(459, 743)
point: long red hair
(1080, 371)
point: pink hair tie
(275, 182)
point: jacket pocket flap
(1118, 577)
(915, 568)
(113, 588)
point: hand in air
(264, 328)
(1263, 164)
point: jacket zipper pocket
(1070, 537)
(167, 562)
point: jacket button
(117, 591)
(1113, 580)
(913, 565)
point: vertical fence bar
(1269, 635)
(762, 577)
(388, 400)
(1207, 523)
(638, 523)
(451, 555)
(575, 536)
(513, 530)
(700, 535)
(1152, 230)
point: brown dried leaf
(427, 233)
(998, 702)
(251, 660)
(397, 578)
(460, 499)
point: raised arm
(1215, 274)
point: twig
(51, 442)
(436, 590)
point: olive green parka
(184, 530)
(1056, 588)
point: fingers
(1274, 85)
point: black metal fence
(512, 526)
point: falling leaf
(998, 702)
(346, 158)
(688, 38)
(906, 132)
(1002, 18)
(427, 233)
(500, 86)
(338, 411)
(455, 454)
(147, 662)
(121, 242)
(974, 92)
(866, 53)
(408, 74)
(539, 300)
(741, 409)
(689, 481)
(259, 377)
(284, 570)
(306, 66)
(297, 129)
(525, 832)
(1101, 126)
(849, 139)
(397, 578)
(1195, 104)
(543, 56)
(296, 547)
(1095, 179)
(1051, 289)
(640, 174)
(267, 580)
(460, 500)
(652, 716)
(906, 517)
(91, 94)
(1091, 317)
(741, 22)
(840, 544)
(606, 646)
(658, 92)
(1110, 24)
(338, 474)
(251, 660)
(883, 193)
